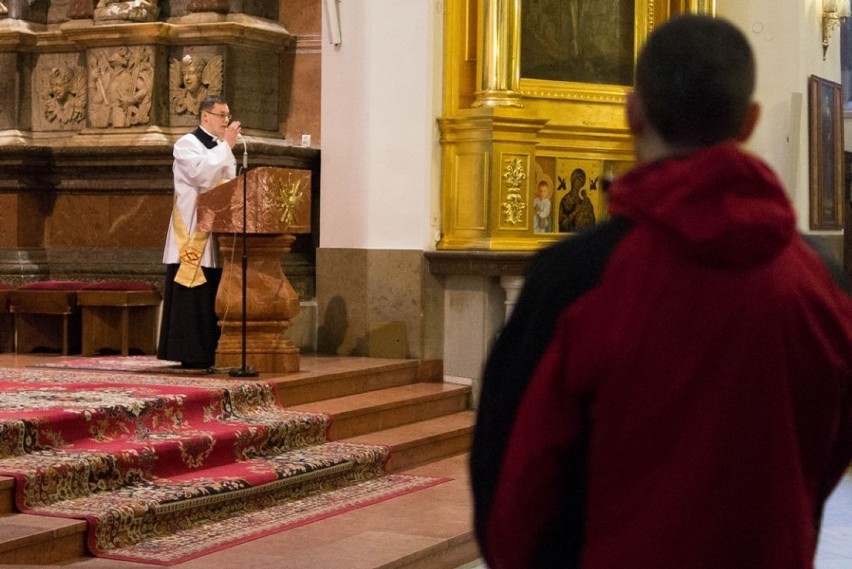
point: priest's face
(216, 120)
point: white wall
(380, 101)
(787, 39)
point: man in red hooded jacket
(674, 387)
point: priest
(204, 159)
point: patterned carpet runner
(127, 364)
(165, 469)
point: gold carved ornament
(514, 206)
(285, 199)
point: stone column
(512, 284)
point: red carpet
(166, 469)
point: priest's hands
(232, 133)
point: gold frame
(645, 14)
(826, 158)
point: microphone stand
(244, 370)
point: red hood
(720, 203)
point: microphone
(245, 152)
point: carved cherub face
(192, 78)
(60, 85)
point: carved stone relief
(191, 79)
(83, 82)
(121, 81)
(27, 10)
(129, 10)
(61, 96)
(80, 9)
(218, 6)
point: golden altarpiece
(532, 129)
(533, 124)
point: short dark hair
(207, 103)
(695, 79)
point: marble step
(423, 442)
(37, 540)
(28, 540)
(375, 402)
(429, 529)
(324, 377)
(363, 413)
(7, 495)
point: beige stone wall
(370, 302)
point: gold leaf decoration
(285, 199)
(514, 205)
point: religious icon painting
(543, 194)
(579, 197)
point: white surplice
(197, 169)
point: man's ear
(750, 122)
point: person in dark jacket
(674, 387)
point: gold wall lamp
(834, 13)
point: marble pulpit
(277, 207)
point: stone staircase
(427, 426)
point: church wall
(380, 303)
(381, 96)
(787, 39)
(113, 221)
(21, 221)
(380, 101)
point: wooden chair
(119, 317)
(47, 317)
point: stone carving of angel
(62, 91)
(191, 79)
(120, 87)
(132, 10)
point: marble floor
(835, 545)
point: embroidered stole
(191, 246)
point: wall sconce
(834, 13)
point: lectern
(278, 207)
